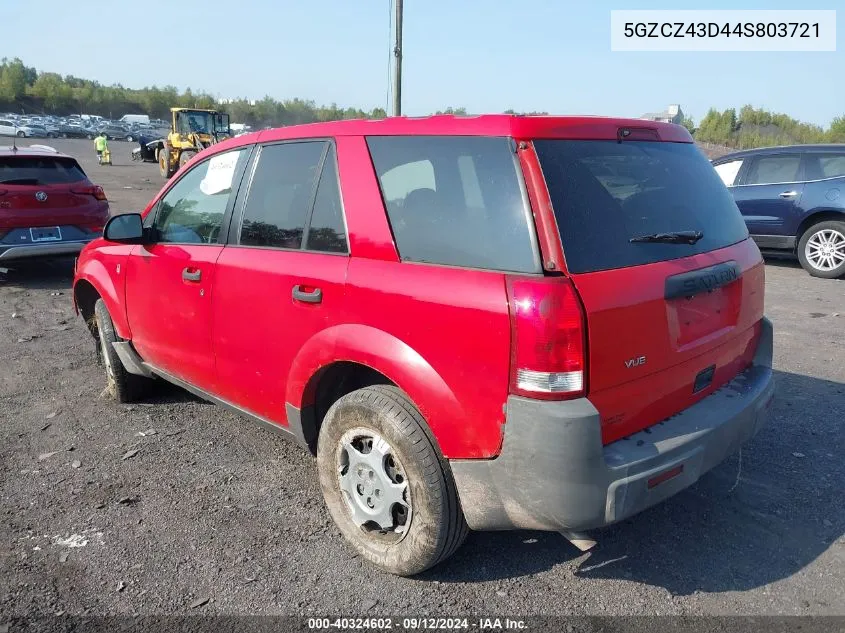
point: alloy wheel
(825, 250)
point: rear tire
(372, 441)
(821, 249)
(123, 386)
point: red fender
(99, 269)
(390, 356)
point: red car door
(281, 279)
(170, 282)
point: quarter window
(832, 165)
(728, 171)
(192, 211)
(455, 201)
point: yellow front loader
(191, 131)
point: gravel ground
(176, 506)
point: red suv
(48, 207)
(490, 322)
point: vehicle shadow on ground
(783, 514)
(39, 274)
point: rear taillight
(547, 338)
(92, 190)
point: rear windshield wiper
(675, 237)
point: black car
(793, 201)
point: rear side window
(604, 193)
(326, 231)
(39, 170)
(280, 195)
(293, 200)
(768, 170)
(456, 201)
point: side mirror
(125, 229)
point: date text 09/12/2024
(417, 624)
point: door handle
(309, 296)
(788, 194)
(191, 274)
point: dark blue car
(793, 201)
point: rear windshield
(456, 201)
(604, 193)
(39, 170)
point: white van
(135, 118)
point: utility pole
(397, 63)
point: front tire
(385, 483)
(21, 135)
(123, 386)
(821, 249)
(164, 163)
(185, 157)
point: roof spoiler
(45, 148)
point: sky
(484, 55)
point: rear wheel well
(86, 297)
(334, 382)
(815, 218)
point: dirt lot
(212, 508)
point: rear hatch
(672, 286)
(48, 191)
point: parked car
(493, 322)
(114, 132)
(48, 206)
(793, 201)
(76, 131)
(9, 127)
(38, 131)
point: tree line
(24, 89)
(756, 127)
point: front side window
(768, 170)
(192, 211)
(455, 201)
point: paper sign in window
(221, 171)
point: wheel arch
(93, 282)
(816, 216)
(355, 349)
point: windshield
(204, 123)
(605, 193)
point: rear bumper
(553, 472)
(46, 249)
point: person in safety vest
(101, 144)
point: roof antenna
(14, 139)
